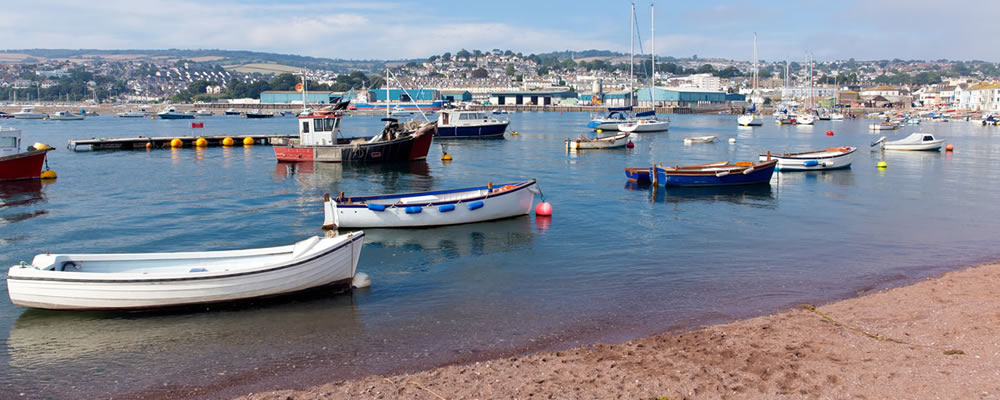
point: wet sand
(938, 338)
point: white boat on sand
(832, 158)
(156, 280)
(915, 142)
(700, 139)
(445, 207)
(605, 142)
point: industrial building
(679, 97)
(405, 95)
(536, 98)
(291, 96)
(456, 95)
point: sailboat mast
(303, 90)
(756, 76)
(652, 45)
(387, 91)
(631, 55)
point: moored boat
(133, 114)
(749, 120)
(318, 141)
(640, 175)
(65, 116)
(171, 113)
(883, 126)
(832, 158)
(469, 124)
(258, 114)
(232, 111)
(29, 113)
(715, 174)
(203, 113)
(616, 116)
(645, 122)
(915, 142)
(15, 164)
(436, 208)
(157, 280)
(700, 139)
(606, 142)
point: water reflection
(761, 196)
(17, 194)
(842, 177)
(457, 240)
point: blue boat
(716, 174)
(640, 175)
(171, 113)
(454, 124)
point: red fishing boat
(15, 164)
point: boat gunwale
(698, 170)
(362, 202)
(804, 155)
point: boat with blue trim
(616, 116)
(469, 124)
(420, 209)
(832, 158)
(641, 175)
(715, 174)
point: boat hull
(758, 175)
(659, 126)
(472, 132)
(610, 142)
(749, 120)
(935, 146)
(499, 205)
(641, 175)
(335, 264)
(175, 116)
(19, 166)
(258, 116)
(413, 147)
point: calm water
(615, 262)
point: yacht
(204, 113)
(749, 120)
(646, 122)
(171, 113)
(65, 116)
(29, 113)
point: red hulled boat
(15, 164)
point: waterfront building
(456, 95)
(881, 90)
(618, 98)
(680, 97)
(537, 98)
(292, 96)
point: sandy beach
(935, 339)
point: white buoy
(732, 140)
(361, 280)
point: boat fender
(69, 264)
(361, 280)
(748, 171)
(446, 208)
(376, 207)
(413, 209)
(721, 174)
(810, 163)
(476, 205)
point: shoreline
(936, 337)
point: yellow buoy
(882, 164)
(446, 157)
(600, 130)
(41, 146)
(227, 141)
(200, 142)
(175, 142)
(48, 174)
(514, 133)
(247, 141)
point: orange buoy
(228, 141)
(247, 141)
(543, 209)
(176, 143)
(200, 142)
(949, 147)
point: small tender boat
(645, 122)
(204, 113)
(29, 113)
(454, 124)
(171, 113)
(715, 174)
(883, 126)
(832, 158)
(606, 142)
(156, 280)
(65, 116)
(319, 140)
(640, 175)
(15, 164)
(749, 120)
(700, 139)
(232, 111)
(915, 142)
(258, 114)
(445, 207)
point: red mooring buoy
(543, 209)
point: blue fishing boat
(640, 175)
(469, 124)
(715, 174)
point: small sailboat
(832, 158)
(156, 280)
(444, 207)
(606, 142)
(715, 174)
(749, 119)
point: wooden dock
(142, 142)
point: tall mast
(756, 77)
(303, 90)
(387, 91)
(810, 82)
(631, 52)
(652, 45)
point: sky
(402, 29)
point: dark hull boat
(319, 141)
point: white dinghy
(700, 139)
(156, 280)
(606, 142)
(445, 207)
(832, 158)
(915, 142)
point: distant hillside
(582, 54)
(212, 56)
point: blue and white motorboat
(469, 124)
(171, 113)
(444, 207)
(616, 116)
(715, 174)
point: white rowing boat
(700, 139)
(445, 207)
(832, 158)
(156, 280)
(606, 142)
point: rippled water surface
(616, 261)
